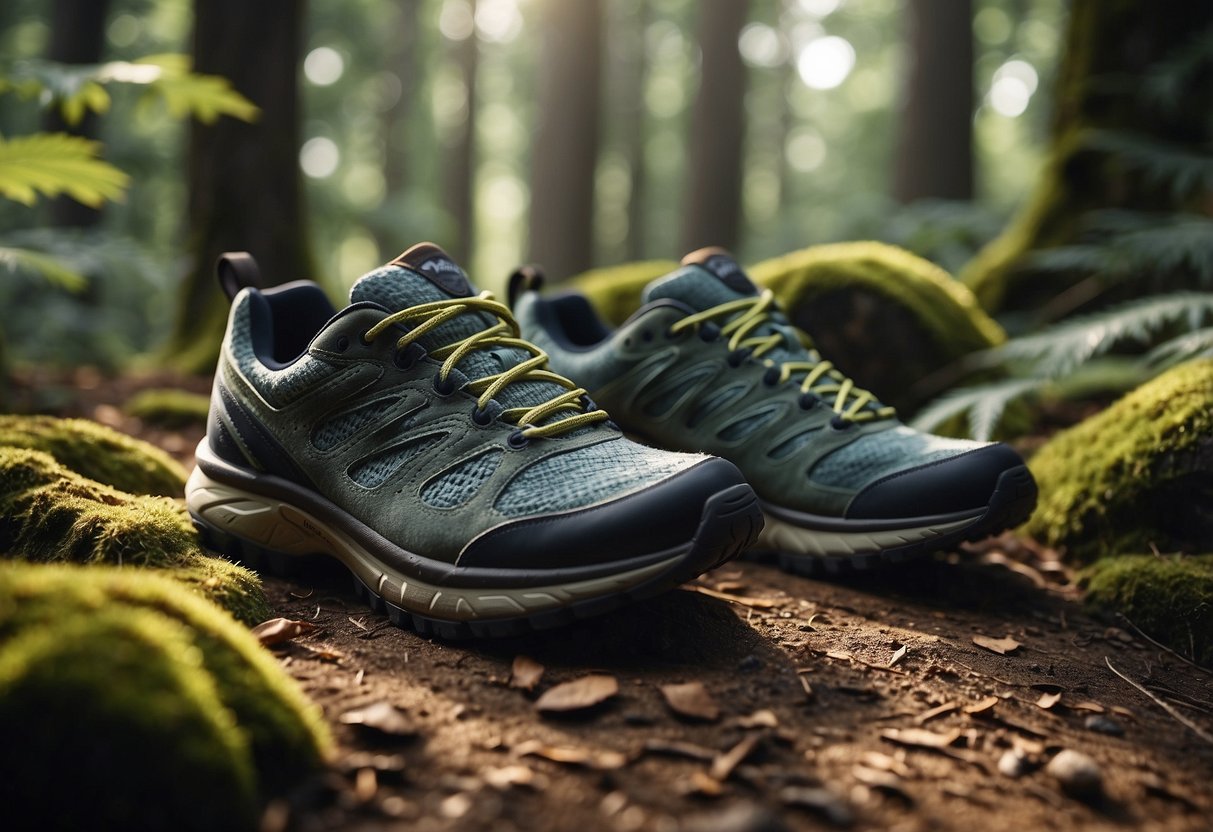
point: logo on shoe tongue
(436, 266)
(720, 263)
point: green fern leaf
(16, 259)
(186, 93)
(1196, 344)
(985, 405)
(1186, 170)
(56, 163)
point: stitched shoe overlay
(414, 436)
(710, 363)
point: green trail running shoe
(710, 364)
(417, 439)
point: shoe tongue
(708, 277)
(422, 274)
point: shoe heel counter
(218, 437)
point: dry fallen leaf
(883, 780)
(756, 603)
(724, 763)
(822, 801)
(920, 737)
(691, 700)
(702, 784)
(1048, 700)
(759, 719)
(508, 777)
(841, 655)
(600, 760)
(526, 673)
(1001, 646)
(899, 655)
(981, 707)
(278, 630)
(366, 785)
(382, 717)
(578, 694)
(678, 748)
(1087, 705)
(945, 708)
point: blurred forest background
(575, 134)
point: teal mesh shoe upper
(710, 364)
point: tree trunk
(713, 195)
(77, 37)
(565, 151)
(935, 146)
(1103, 85)
(403, 60)
(634, 114)
(460, 179)
(245, 190)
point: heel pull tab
(528, 278)
(237, 270)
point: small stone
(1078, 775)
(1101, 724)
(1012, 763)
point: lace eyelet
(443, 386)
(737, 358)
(405, 359)
(808, 401)
(840, 424)
(343, 343)
(771, 377)
(517, 440)
(646, 336)
(366, 342)
(708, 332)
(481, 417)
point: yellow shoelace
(504, 333)
(821, 377)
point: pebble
(1012, 763)
(1078, 775)
(1101, 724)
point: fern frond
(985, 405)
(1196, 344)
(48, 267)
(1058, 350)
(186, 93)
(1185, 170)
(56, 163)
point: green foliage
(1112, 484)
(1169, 598)
(56, 163)
(170, 408)
(16, 259)
(1182, 169)
(118, 653)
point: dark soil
(823, 710)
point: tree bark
(77, 37)
(460, 179)
(565, 151)
(404, 61)
(713, 196)
(935, 146)
(634, 113)
(245, 187)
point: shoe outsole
(731, 522)
(1012, 502)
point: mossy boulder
(1169, 598)
(886, 317)
(169, 408)
(150, 707)
(49, 513)
(1137, 476)
(615, 290)
(97, 452)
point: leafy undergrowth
(169, 408)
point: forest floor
(931, 696)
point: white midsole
(782, 536)
(282, 527)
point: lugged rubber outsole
(731, 521)
(1012, 502)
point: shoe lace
(505, 333)
(746, 317)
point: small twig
(1161, 646)
(1180, 718)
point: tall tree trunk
(634, 114)
(404, 61)
(1102, 86)
(461, 154)
(77, 37)
(245, 188)
(935, 146)
(565, 152)
(712, 211)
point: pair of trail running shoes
(432, 441)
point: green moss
(1138, 474)
(110, 723)
(51, 514)
(96, 452)
(615, 290)
(284, 733)
(169, 408)
(946, 309)
(1169, 598)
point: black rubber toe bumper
(956, 484)
(655, 519)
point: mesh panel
(333, 432)
(791, 445)
(459, 484)
(693, 285)
(278, 387)
(714, 402)
(746, 426)
(872, 457)
(589, 475)
(374, 471)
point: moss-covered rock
(1169, 598)
(156, 708)
(169, 408)
(97, 452)
(615, 290)
(1135, 476)
(51, 514)
(886, 317)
